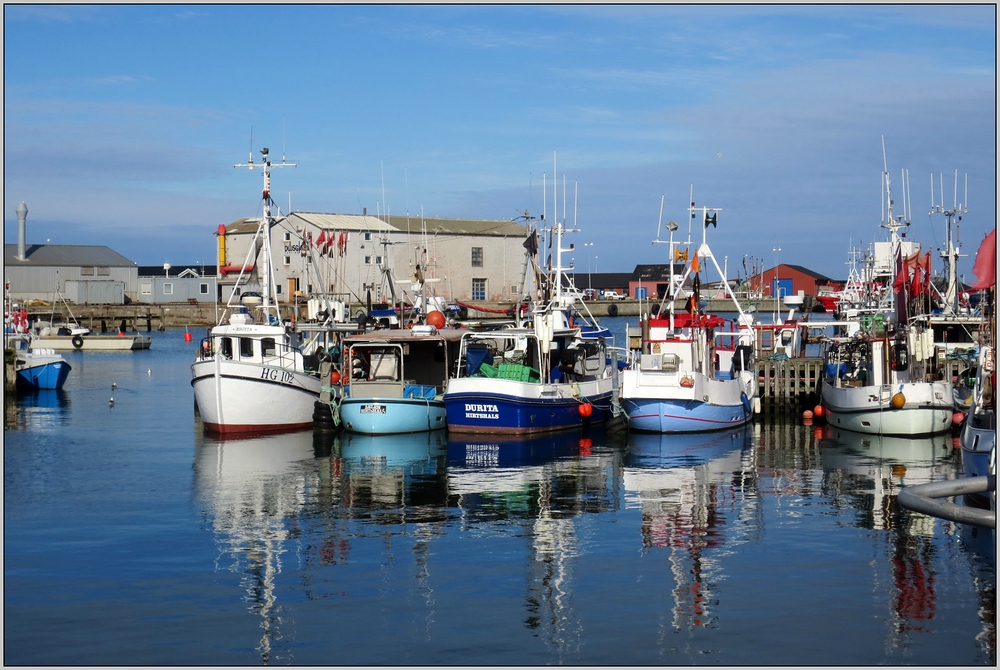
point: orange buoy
(334, 377)
(957, 418)
(585, 409)
(436, 319)
(898, 400)
(818, 411)
(807, 414)
(187, 336)
(807, 422)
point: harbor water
(131, 538)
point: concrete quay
(144, 317)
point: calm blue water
(130, 538)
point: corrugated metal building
(80, 272)
(463, 259)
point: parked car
(612, 295)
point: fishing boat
(979, 431)
(886, 379)
(253, 372)
(37, 369)
(395, 379)
(34, 368)
(542, 375)
(63, 339)
(692, 371)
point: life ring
(77, 341)
(612, 310)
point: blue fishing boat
(544, 375)
(395, 379)
(37, 369)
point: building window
(203, 288)
(168, 289)
(288, 260)
(368, 237)
(288, 236)
(146, 288)
(479, 289)
(277, 289)
(477, 257)
(88, 272)
(104, 272)
(377, 260)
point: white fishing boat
(540, 377)
(62, 339)
(692, 371)
(395, 379)
(254, 373)
(886, 379)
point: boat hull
(928, 409)
(505, 407)
(50, 375)
(683, 416)
(92, 342)
(389, 416)
(245, 398)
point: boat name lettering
(373, 409)
(276, 375)
(477, 411)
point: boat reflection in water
(253, 491)
(870, 470)
(391, 479)
(685, 486)
(36, 409)
(543, 487)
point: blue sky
(122, 123)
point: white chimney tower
(22, 215)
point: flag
(321, 243)
(916, 286)
(531, 243)
(694, 263)
(985, 268)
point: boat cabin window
(267, 346)
(246, 347)
(227, 347)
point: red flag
(916, 286)
(985, 268)
(321, 239)
(694, 263)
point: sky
(122, 123)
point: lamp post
(589, 283)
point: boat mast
(950, 252)
(266, 222)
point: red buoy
(585, 409)
(436, 319)
(807, 414)
(334, 377)
(818, 411)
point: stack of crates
(517, 372)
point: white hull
(928, 409)
(91, 342)
(234, 397)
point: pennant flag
(321, 243)
(694, 263)
(985, 268)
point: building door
(781, 287)
(293, 286)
